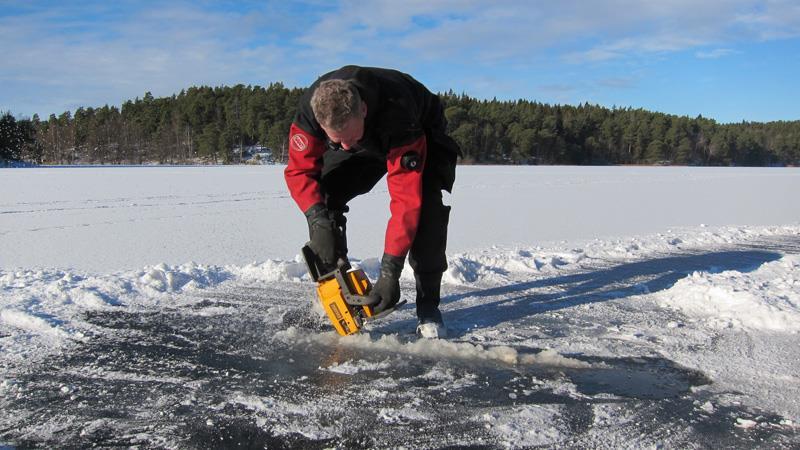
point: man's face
(351, 133)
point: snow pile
(496, 265)
(40, 310)
(29, 322)
(43, 310)
(272, 270)
(164, 278)
(50, 302)
(765, 299)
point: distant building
(256, 154)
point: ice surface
(589, 308)
(107, 219)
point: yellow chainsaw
(343, 294)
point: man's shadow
(516, 300)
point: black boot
(430, 323)
(428, 296)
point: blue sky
(730, 60)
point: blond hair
(335, 102)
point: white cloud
(75, 62)
(715, 53)
(772, 19)
(519, 31)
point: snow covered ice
(587, 308)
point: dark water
(180, 378)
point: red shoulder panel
(304, 167)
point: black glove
(386, 292)
(322, 233)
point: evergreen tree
(656, 152)
(209, 142)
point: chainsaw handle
(349, 297)
(359, 300)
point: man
(353, 126)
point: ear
(363, 109)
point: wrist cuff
(392, 265)
(315, 210)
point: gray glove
(386, 292)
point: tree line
(215, 125)
(520, 132)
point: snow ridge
(46, 306)
(765, 299)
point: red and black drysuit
(404, 137)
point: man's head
(340, 111)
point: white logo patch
(299, 142)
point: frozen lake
(107, 219)
(609, 307)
